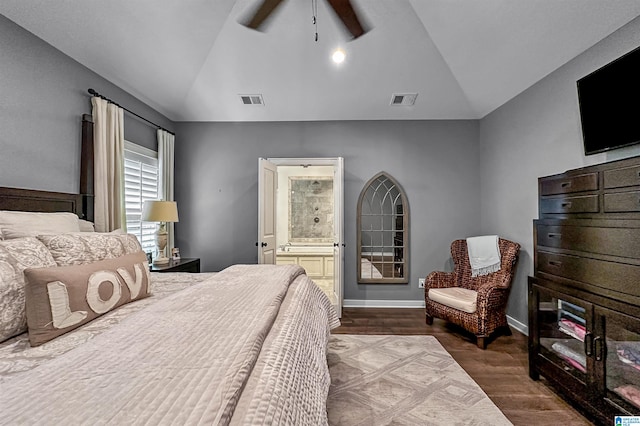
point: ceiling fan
(343, 9)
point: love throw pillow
(60, 299)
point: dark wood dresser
(584, 297)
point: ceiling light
(338, 56)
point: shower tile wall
(310, 209)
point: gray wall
(434, 161)
(537, 134)
(43, 94)
(462, 177)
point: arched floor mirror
(383, 232)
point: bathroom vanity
(317, 261)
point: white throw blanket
(484, 255)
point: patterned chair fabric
(493, 291)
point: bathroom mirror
(383, 231)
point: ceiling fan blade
(348, 16)
(261, 14)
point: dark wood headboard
(40, 201)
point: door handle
(598, 344)
(263, 244)
(336, 244)
(553, 235)
(588, 344)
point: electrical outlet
(420, 282)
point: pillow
(86, 247)
(29, 252)
(15, 256)
(130, 242)
(86, 226)
(62, 298)
(12, 314)
(29, 224)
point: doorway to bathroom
(300, 211)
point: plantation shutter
(141, 180)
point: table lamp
(163, 212)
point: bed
(246, 345)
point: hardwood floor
(501, 370)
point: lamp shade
(160, 211)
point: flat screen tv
(610, 105)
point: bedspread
(188, 358)
(17, 356)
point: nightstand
(179, 265)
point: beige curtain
(166, 165)
(108, 154)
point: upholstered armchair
(479, 303)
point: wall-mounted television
(610, 105)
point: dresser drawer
(619, 178)
(608, 241)
(619, 277)
(622, 202)
(583, 204)
(566, 184)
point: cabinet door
(313, 265)
(617, 357)
(328, 266)
(562, 338)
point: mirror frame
(405, 229)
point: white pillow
(28, 224)
(86, 226)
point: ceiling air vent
(252, 99)
(403, 99)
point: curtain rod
(94, 93)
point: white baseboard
(522, 328)
(357, 303)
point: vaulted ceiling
(191, 59)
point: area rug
(402, 380)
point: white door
(338, 215)
(267, 187)
(338, 230)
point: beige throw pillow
(63, 298)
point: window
(141, 183)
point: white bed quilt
(190, 358)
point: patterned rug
(402, 380)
